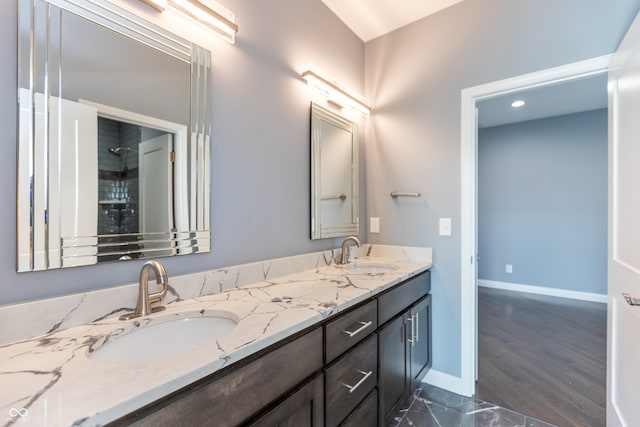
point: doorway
(469, 220)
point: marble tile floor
(434, 407)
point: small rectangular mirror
(113, 137)
(334, 174)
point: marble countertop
(50, 380)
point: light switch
(374, 224)
(445, 226)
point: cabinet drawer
(302, 409)
(239, 395)
(402, 296)
(349, 329)
(350, 379)
(366, 414)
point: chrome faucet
(143, 307)
(344, 257)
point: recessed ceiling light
(517, 104)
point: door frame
(469, 170)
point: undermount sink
(164, 336)
(365, 267)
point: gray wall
(260, 142)
(414, 77)
(542, 202)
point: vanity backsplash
(55, 314)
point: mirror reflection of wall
(334, 174)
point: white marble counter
(49, 379)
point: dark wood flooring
(543, 356)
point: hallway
(543, 356)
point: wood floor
(543, 356)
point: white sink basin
(163, 336)
(365, 267)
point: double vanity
(335, 344)
(303, 340)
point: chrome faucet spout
(145, 299)
(344, 257)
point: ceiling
(549, 101)
(372, 18)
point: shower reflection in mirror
(114, 133)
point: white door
(623, 346)
(156, 187)
(69, 160)
(74, 161)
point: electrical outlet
(508, 268)
(374, 224)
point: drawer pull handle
(364, 326)
(353, 388)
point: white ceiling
(372, 18)
(573, 97)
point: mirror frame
(320, 230)
(38, 247)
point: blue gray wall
(542, 202)
(414, 77)
(260, 141)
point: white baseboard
(542, 290)
(445, 381)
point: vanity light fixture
(517, 104)
(205, 12)
(336, 94)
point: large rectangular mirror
(334, 174)
(113, 138)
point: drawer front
(349, 329)
(305, 408)
(239, 395)
(402, 296)
(365, 415)
(350, 379)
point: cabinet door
(420, 325)
(304, 408)
(393, 374)
(365, 415)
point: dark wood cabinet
(349, 329)
(421, 343)
(393, 378)
(304, 408)
(365, 415)
(350, 379)
(404, 344)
